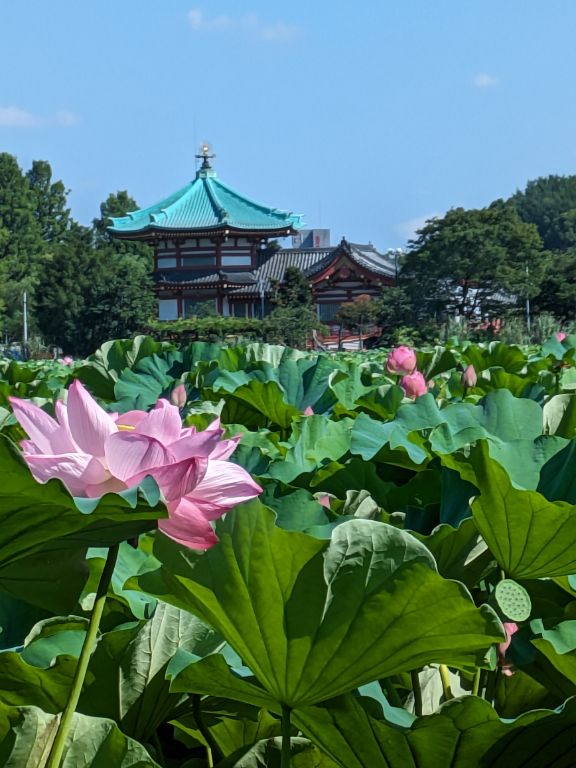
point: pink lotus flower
(560, 335)
(505, 665)
(308, 411)
(178, 396)
(469, 377)
(67, 360)
(93, 452)
(414, 385)
(401, 361)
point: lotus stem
(391, 692)
(417, 691)
(445, 677)
(476, 683)
(211, 746)
(59, 743)
(285, 758)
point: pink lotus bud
(504, 664)
(469, 377)
(401, 361)
(560, 335)
(179, 396)
(414, 385)
(308, 411)
(323, 499)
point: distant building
(210, 246)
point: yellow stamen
(125, 427)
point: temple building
(211, 246)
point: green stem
(476, 683)
(285, 758)
(445, 677)
(57, 750)
(391, 692)
(417, 691)
(211, 746)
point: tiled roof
(190, 279)
(272, 268)
(313, 260)
(205, 204)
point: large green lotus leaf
(564, 663)
(498, 416)
(102, 369)
(348, 385)
(267, 754)
(26, 735)
(356, 474)
(140, 387)
(212, 676)
(51, 578)
(22, 683)
(460, 553)
(383, 402)
(32, 515)
(560, 416)
(295, 511)
(127, 679)
(557, 476)
(370, 436)
(465, 733)
(313, 618)
(529, 536)
(233, 725)
(568, 379)
(518, 693)
(263, 399)
(495, 355)
(16, 620)
(314, 441)
(434, 362)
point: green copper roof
(205, 204)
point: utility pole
(25, 311)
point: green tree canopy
(473, 263)
(50, 202)
(21, 245)
(550, 203)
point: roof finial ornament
(205, 156)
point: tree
(64, 291)
(473, 263)
(293, 319)
(294, 290)
(50, 202)
(550, 203)
(22, 249)
(358, 314)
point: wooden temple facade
(210, 246)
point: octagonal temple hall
(211, 244)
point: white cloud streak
(16, 117)
(484, 80)
(272, 32)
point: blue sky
(366, 117)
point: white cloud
(409, 228)
(484, 80)
(278, 31)
(16, 117)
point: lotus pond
(398, 589)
